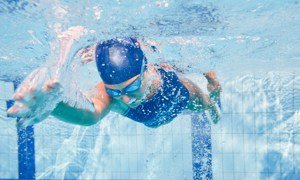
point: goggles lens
(134, 86)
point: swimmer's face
(130, 91)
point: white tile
(218, 176)
(248, 102)
(132, 161)
(249, 123)
(187, 144)
(187, 162)
(133, 145)
(226, 102)
(4, 146)
(124, 175)
(239, 175)
(250, 163)
(237, 123)
(217, 145)
(217, 163)
(188, 175)
(123, 163)
(2, 90)
(260, 123)
(2, 104)
(239, 143)
(11, 128)
(237, 107)
(228, 125)
(228, 163)
(249, 146)
(167, 146)
(227, 143)
(3, 125)
(177, 144)
(8, 161)
(239, 163)
(9, 90)
(228, 176)
(141, 145)
(252, 176)
(260, 102)
(116, 175)
(186, 125)
(175, 125)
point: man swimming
(146, 93)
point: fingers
(18, 110)
(23, 97)
(26, 116)
(211, 77)
(52, 85)
(18, 96)
(86, 60)
(87, 54)
(25, 93)
(31, 85)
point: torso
(166, 97)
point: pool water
(253, 45)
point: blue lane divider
(201, 147)
(26, 153)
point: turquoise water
(252, 45)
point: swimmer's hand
(36, 97)
(215, 115)
(87, 54)
(214, 112)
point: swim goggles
(132, 87)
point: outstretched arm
(200, 101)
(81, 115)
(42, 92)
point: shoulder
(165, 66)
(153, 71)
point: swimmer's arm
(87, 54)
(83, 116)
(69, 114)
(200, 101)
(71, 42)
(72, 115)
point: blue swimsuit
(169, 101)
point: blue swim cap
(119, 60)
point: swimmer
(151, 94)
